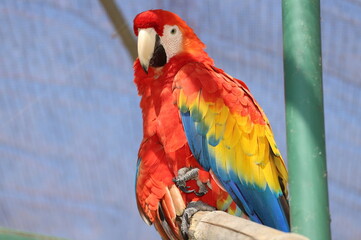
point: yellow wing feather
(238, 144)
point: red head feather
(158, 18)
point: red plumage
(164, 148)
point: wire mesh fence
(70, 124)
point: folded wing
(229, 135)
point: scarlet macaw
(202, 128)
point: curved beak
(146, 43)
(150, 51)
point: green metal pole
(305, 118)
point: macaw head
(161, 36)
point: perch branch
(220, 225)
(121, 26)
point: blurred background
(70, 124)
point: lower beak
(150, 51)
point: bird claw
(185, 189)
(191, 209)
(185, 174)
(181, 184)
(199, 194)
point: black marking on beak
(159, 58)
(145, 68)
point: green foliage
(7, 234)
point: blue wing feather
(197, 142)
(261, 205)
(259, 197)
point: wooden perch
(220, 225)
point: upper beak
(146, 45)
(150, 50)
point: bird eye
(173, 31)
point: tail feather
(168, 226)
(170, 206)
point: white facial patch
(171, 40)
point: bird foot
(191, 209)
(185, 174)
